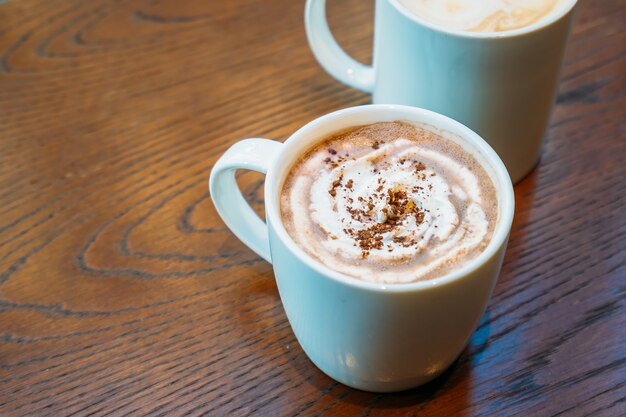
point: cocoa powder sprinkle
(398, 207)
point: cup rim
(419, 115)
(486, 35)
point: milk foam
(389, 213)
(484, 15)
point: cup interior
(566, 8)
(319, 129)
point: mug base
(382, 387)
(527, 173)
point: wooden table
(122, 293)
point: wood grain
(122, 293)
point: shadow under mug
(500, 84)
(368, 336)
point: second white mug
(500, 84)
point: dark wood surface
(122, 293)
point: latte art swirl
(395, 211)
(484, 15)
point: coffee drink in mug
(389, 203)
(484, 15)
(408, 305)
(493, 65)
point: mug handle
(329, 54)
(252, 154)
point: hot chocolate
(390, 203)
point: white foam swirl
(483, 15)
(356, 194)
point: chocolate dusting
(399, 207)
(335, 184)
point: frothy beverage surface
(389, 203)
(484, 15)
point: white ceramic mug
(369, 336)
(500, 84)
